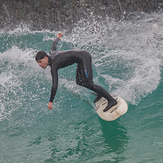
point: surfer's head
(42, 59)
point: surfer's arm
(53, 88)
(55, 42)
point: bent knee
(86, 84)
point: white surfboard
(114, 112)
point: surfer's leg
(84, 71)
(84, 77)
(80, 77)
(101, 91)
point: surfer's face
(43, 62)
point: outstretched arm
(55, 42)
(54, 87)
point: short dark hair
(40, 55)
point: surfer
(84, 73)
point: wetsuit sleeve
(54, 44)
(54, 84)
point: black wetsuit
(84, 74)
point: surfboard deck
(114, 112)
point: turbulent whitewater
(127, 61)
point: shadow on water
(77, 134)
(80, 142)
(116, 138)
(84, 137)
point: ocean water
(127, 61)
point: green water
(127, 61)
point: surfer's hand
(59, 35)
(50, 105)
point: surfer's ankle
(97, 98)
(110, 104)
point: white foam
(127, 54)
(16, 64)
